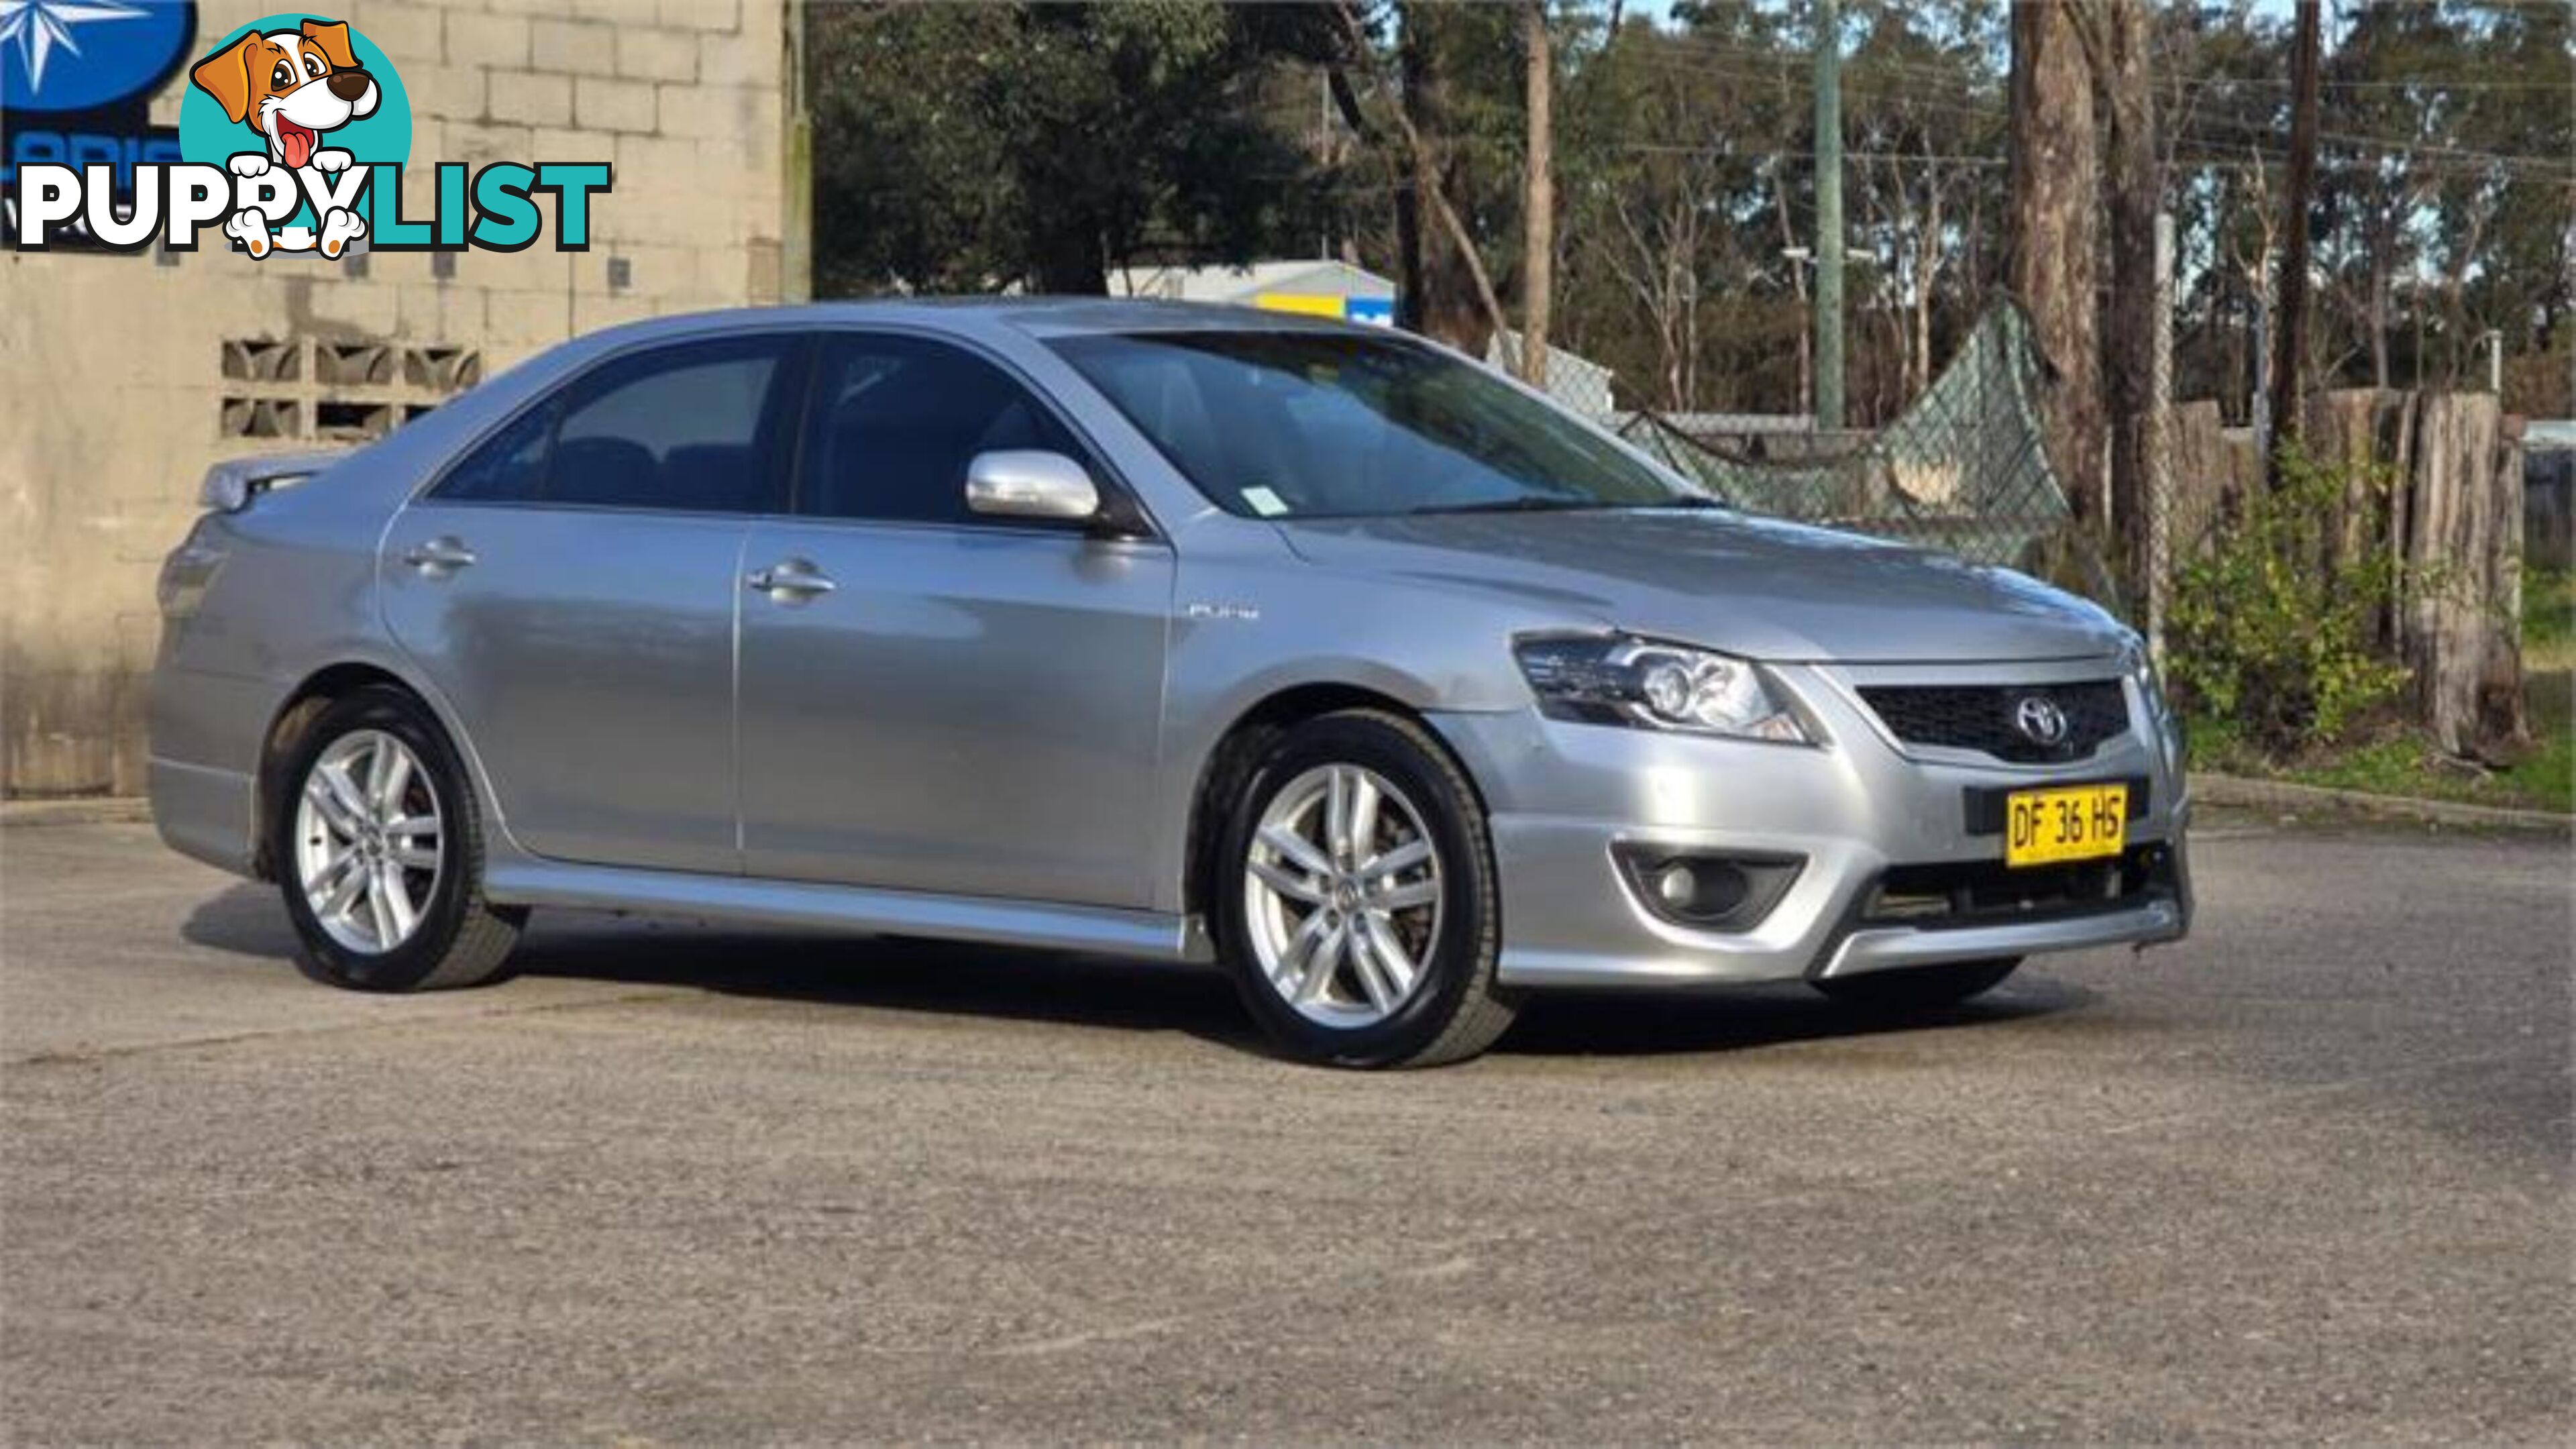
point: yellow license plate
(2043, 827)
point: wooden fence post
(2203, 476)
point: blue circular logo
(211, 134)
(80, 55)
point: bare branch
(1427, 174)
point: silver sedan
(1313, 651)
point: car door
(569, 586)
(936, 701)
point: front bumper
(1565, 799)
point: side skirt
(526, 882)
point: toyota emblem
(2040, 720)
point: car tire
(442, 932)
(1918, 988)
(1364, 1010)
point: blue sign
(1376, 311)
(81, 55)
(77, 79)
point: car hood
(1754, 587)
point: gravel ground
(2305, 1177)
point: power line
(2442, 83)
(2216, 156)
(1789, 68)
(2415, 149)
(1733, 153)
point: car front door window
(896, 420)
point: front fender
(1256, 622)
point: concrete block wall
(112, 386)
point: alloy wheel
(367, 835)
(1342, 892)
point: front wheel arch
(1450, 1006)
(1228, 764)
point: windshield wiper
(1526, 503)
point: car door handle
(791, 581)
(439, 556)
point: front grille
(1985, 893)
(1983, 717)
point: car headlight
(2161, 726)
(1619, 679)
(2142, 669)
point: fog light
(1707, 890)
(1677, 886)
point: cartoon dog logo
(291, 88)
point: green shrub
(2548, 618)
(2271, 639)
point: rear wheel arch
(302, 706)
(381, 864)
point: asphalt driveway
(2308, 1176)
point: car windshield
(1315, 424)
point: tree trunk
(2055, 231)
(2115, 36)
(2290, 324)
(2463, 547)
(1072, 257)
(1538, 192)
(1408, 216)
(1412, 286)
(1452, 277)
(2381, 245)
(1927, 272)
(1446, 293)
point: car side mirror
(1030, 483)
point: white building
(1316, 288)
(1337, 289)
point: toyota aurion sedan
(1316, 652)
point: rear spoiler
(231, 484)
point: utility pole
(1829, 215)
(2160, 479)
(796, 210)
(2290, 324)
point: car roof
(1044, 317)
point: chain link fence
(1963, 469)
(2425, 489)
